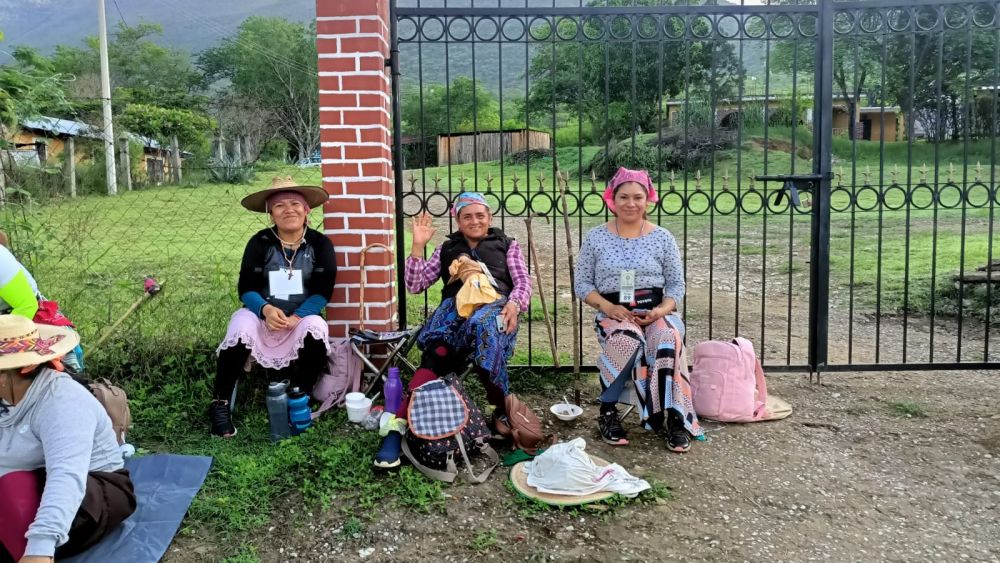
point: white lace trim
(280, 362)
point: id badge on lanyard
(626, 287)
(285, 282)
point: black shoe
(611, 429)
(677, 437)
(221, 418)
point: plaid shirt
(421, 274)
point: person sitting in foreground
(63, 486)
(489, 333)
(286, 280)
(630, 271)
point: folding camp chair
(393, 346)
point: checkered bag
(443, 421)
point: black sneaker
(677, 437)
(221, 419)
(678, 440)
(611, 429)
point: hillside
(194, 25)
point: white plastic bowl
(566, 411)
(358, 410)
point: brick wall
(352, 38)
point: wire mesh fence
(91, 253)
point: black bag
(445, 423)
(644, 299)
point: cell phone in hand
(640, 312)
(501, 323)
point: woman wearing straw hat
(286, 280)
(487, 334)
(63, 486)
(630, 270)
(19, 295)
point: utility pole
(109, 134)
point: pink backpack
(342, 376)
(727, 382)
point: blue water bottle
(299, 415)
(393, 391)
(277, 410)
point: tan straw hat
(23, 343)
(257, 201)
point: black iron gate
(827, 167)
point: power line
(120, 15)
(259, 49)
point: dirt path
(847, 477)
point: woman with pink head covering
(286, 280)
(630, 270)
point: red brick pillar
(352, 38)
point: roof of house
(62, 127)
(491, 131)
(72, 128)
(879, 109)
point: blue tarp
(165, 485)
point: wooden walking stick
(541, 292)
(150, 288)
(563, 181)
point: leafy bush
(670, 150)
(229, 171)
(531, 155)
(25, 183)
(623, 153)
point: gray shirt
(654, 257)
(61, 427)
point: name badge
(626, 287)
(284, 283)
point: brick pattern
(352, 39)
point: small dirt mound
(782, 145)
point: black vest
(492, 251)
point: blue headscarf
(465, 199)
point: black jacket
(492, 251)
(315, 257)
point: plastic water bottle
(393, 391)
(277, 410)
(299, 415)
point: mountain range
(194, 25)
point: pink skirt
(272, 349)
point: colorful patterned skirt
(478, 335)
(646, 357)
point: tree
(272, 62)
(457, 108)
(615, 85)
(163, 124)
(142, 71)
(29, 87)
(856, 63)
(941, 65)
(246, 120)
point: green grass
(909, 409)
(328, 466)
(484, 541)
(246, 555)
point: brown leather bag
(522, 426)
(115, 402)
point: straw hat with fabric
(23, 343)
(257, 201)
(519, 480)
